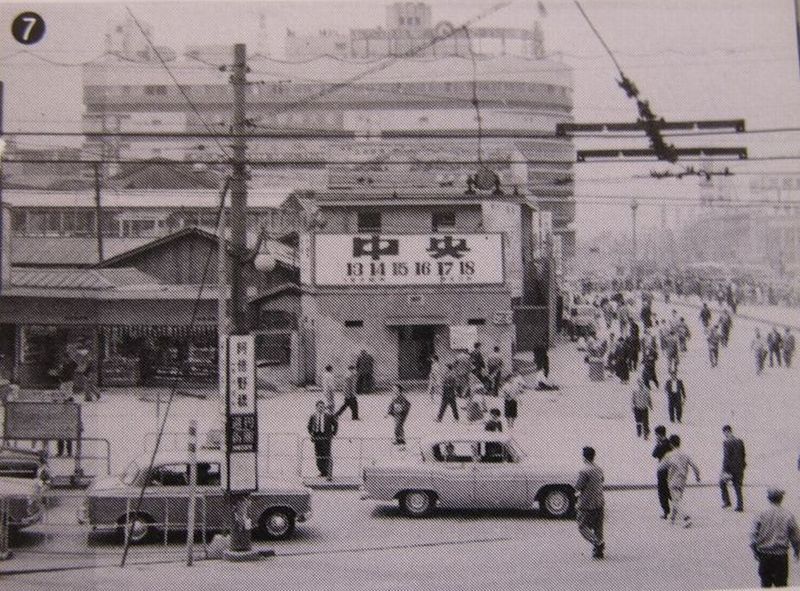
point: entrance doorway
(416, 345)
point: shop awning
(416, 321)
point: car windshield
(129, 476)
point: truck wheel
(557, 502)
(277, 524)
(141, 528)
(417, 503)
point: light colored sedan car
(111, 502)
(480, 471)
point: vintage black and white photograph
(385, 295)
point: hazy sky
(690, 58)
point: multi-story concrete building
(419, 104)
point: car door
(454, 475)
(172, 494)
(211, 501)
(500, 482)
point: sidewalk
(552, 426)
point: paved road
(353, 544)
(342, 538)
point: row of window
(77, 223)
(370, 222)
(413, 87)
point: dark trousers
(774, 354)
(64, 445)
(352, 404)
(675, 405)
(713, 356)
(773, 569)
(787, 358)
(448, 402)
(663, 491)
(322, 449)
(642, 418)
(543, 361)
(736, 482)
(590, 525)
(400, 431)
(649, 373)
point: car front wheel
(557, 502)
(277, 524)
(417, 503)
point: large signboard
(241, 429)
(408, 259)
(42, 420)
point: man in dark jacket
(322, 427)
(774, 344)
(663, 446)
(399, 409)
(733, 465)
(705, 315)
(364, 373)
(350, 395)
(676, 394)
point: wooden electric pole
(237, 502)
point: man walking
(733, 465)
(676, 394)
(705, 315)
(677, 464)
(494, 370)
(590, 505)
(399, 409)
(350, 389)
(759, 348)
(788, 347)
(713, 345)
(449, 394)
(774, 530)
(322, 427)
(478, 364)
(662, 448)
(774, 344)
(649, 357)
(641, 403)
(462, 366)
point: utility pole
(238, 502)
(634, 255)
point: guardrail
(93, 456)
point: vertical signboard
(241, 429)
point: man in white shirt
(677, 464)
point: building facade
(331, 85)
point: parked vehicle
(23, 463)
(482, 471)
(20, 502)
(110, 504)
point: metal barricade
(349, 455)
(66, 457)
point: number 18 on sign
(241, 429)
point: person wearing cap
(774, 530)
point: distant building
(428, 89)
